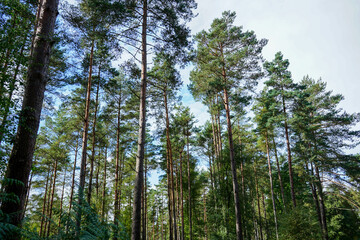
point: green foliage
(299, 224)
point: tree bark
(136, 216)
(271, 184)
(52, 197)
(104, 186)
(291, 175)
(279, 174)
(233, 168)
(44, 204)
(189, 182)
(117, 162)
(20, 161)
(73, 174)
(92, 159)
(62, 197)
(171, 164)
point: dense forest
(91, 110)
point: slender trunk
(258, 201)
(117, 163)
(144, 233)
(97, 176)
(314, 193)
(44, 204)
(169, 194)
(189, 182)
(271, 184)
(62, 198)
(104, 186)
(73, 174)
(182, 197)
(136, 223)
(322, 204)
(171, 164)
(52, 197)
(92, 158)
(20, 160)
(205, 219)
(291, 175)
(279, 174)
(265, 218)
(84, 141)
(233, 168)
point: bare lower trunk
(171, 165)
(52, 197)
(258, 202)
(73, 175)
(279, 174)
(322, 204)
(136, 216)
(44, 204)
(291, 175)
(117, 163)
(271, 184)
(189, 183)
(233, 169)
(104, 187)
(92, 159)
(62, 198)
(20, 160)
(182, 198)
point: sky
(321, 38)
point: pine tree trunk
(92, 158)
(136, 216)
(271, 185)
(182, 198)
(205, 219)
(189, 183)
(52, 198)
(233, 168)
(20, 161)
(291, 175)
(117, 162)
(44, 204)
(279, 174)
(104, 186)
(62, 198)
(84, 141)
(73, 174)
(171, 167)
(258, 201)
(322, 204)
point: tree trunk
(182, 198)
(20, 161)
(84, 140)
(322, 204)
(104, 186)
(62, 198)
(258, 201)
(52, 198)
(136, 217)
(271, 184)
(92, 159)
(233, 168)
(117, 163)
(73, 174)
(291, 175)
(279, 174)
(44, 204)
(171, 166)
(205, 219)
(189, 182)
